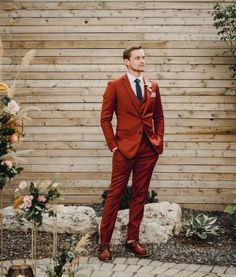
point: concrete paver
(143, 274)
(227, 275)
(132, 260)
(156, 263)
(120, 267)
(171, 272)
(193, 267)
(219, 269)
(134, 267)
(180, 266)
(122, 274)
(160, 269)
(100, 274)
(144, 261)
(198, 274)
(206, 268)
(146, 268)
(170, 265)
(231, 270)
(184, 273)
(119, 260)
(106, 266)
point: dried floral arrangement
(11, 120)
(67, 259)
(32, 200)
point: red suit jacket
(132, 118)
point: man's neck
(135, 73)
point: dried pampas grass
(28, 57)
(14, 156)
(80, 247)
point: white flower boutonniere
(148, 84)
(153, 95)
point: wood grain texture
(79, 48)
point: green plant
(67, 258)
(10, 130)
(125, 200)
(225, 22)
(33, 199)
(231, 209)
(11, 123)
(201, 226)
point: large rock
(70, 219)
(161, 221)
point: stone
(70, 219)
(9, 220)
(160, 222)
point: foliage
(32, 200)
(67, 258)
(125, 200)
(225, 23)
(231, 209)
(11, 122)
(10, 130)
(63, 259)
(201, 226)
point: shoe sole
(140, 256)
(105, 261)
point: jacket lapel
(148, 95)
(130, 93)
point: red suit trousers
(141, 166)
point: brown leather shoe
(104, 253)
(137, 248)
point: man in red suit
(136, 146)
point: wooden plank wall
(79, 47)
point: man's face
(136, 62)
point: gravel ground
(215, 250)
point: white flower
(12, 107)
(23, 185)
(8, 163)
(55, 185)
(148, 84)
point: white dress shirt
(132, 79)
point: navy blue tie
(138, 90)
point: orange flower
(18, 201)
(3, 88)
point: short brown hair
(127, 52)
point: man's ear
(126, 61)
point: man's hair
(127, 52)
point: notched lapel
(130, 92)
(148, 93)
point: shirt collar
(132, 78)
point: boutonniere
(148, 84)
(153, 95)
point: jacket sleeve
(158, 115)
(108, 108)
